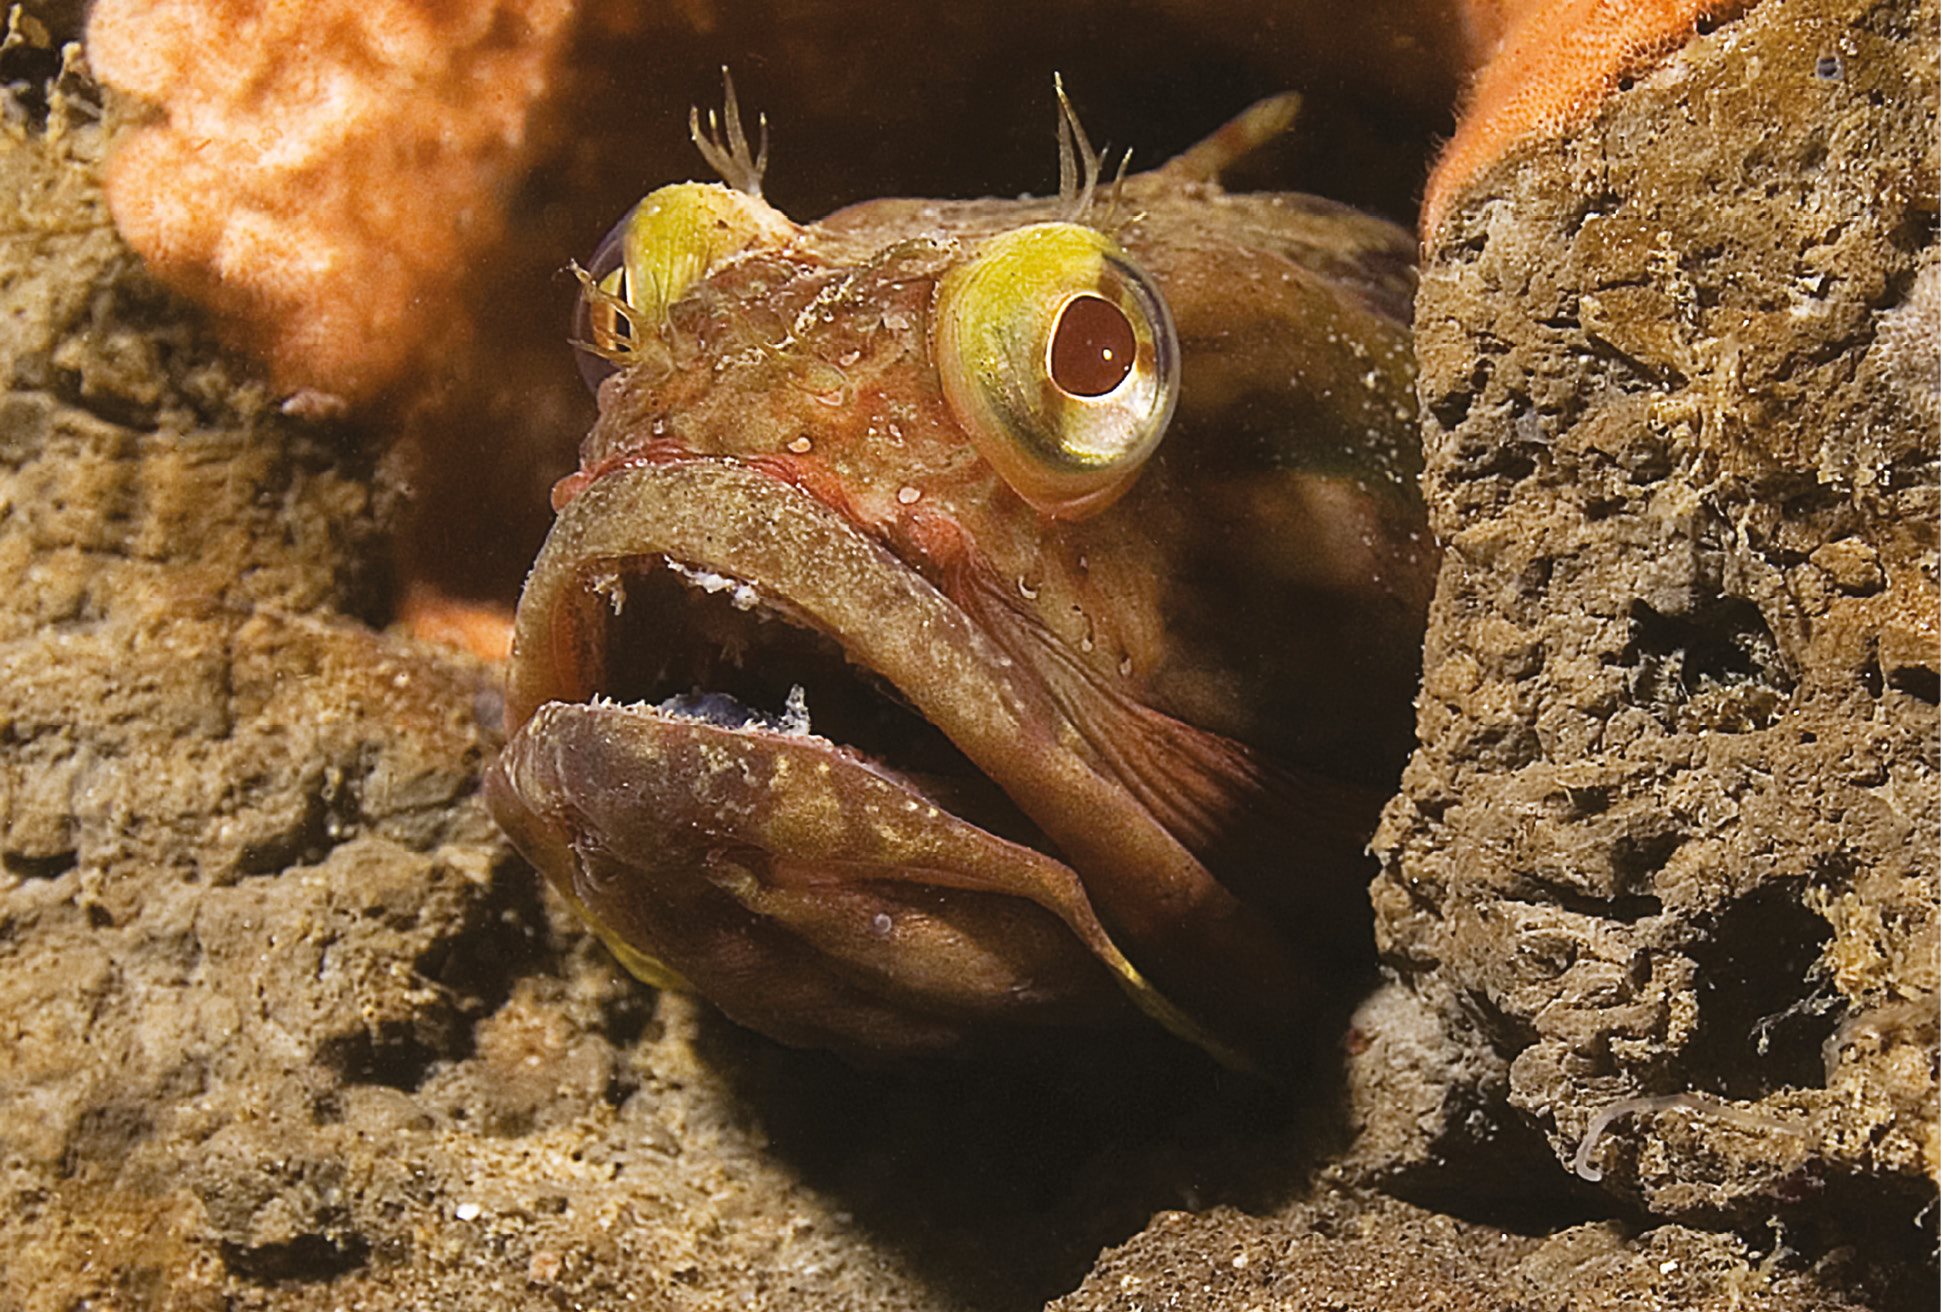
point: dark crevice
(1621, 908)
(396, 1055)
(71, 388)
(628, 1017)
(1507, 1032)
(1507, 461)
(1636, 372)
(1635, 858)
(28, 73)
(1764, 1010)
(1501, 1172)
(1918, 681)
(501, 937)
(1871, 678)
(1715, 666)
(306, 842)
(620, 1086)
(1451, 408)
(308, 1257)
(1581, 801)
(51, 865)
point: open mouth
(767, 758)
(682, 642)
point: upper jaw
(1204, 964)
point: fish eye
(1057, 355)
(672, 239)
(1092, 348)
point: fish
(973, 621)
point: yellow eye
(675, 237)
(1057, 355)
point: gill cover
(1057, 355)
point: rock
(1668, 843)
(1347, 1250)
(283, 1023)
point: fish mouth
(692, 647)
(767, 758)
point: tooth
(742, 596)
(612, 588)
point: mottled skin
(1197, 697)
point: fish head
(981, 616)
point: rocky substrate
(1666, 854)
(283, 1023)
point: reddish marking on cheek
(812, 477)
(661, 451)
(938, 543)
(945, 553)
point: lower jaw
(809, 894)
(717, 518)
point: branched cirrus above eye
(1057, 355)
(663, 246)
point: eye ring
(1058, 357)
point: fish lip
(1217, 959)
(617, 523)
(731, 527)
(702, 652)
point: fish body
(981, 616)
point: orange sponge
(1552, 62)
(324, 173)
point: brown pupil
(1092, 348)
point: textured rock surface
(1350, 1251)
(282, 1024)
(1671, 830)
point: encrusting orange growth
(1552, 62)
(324, 171)
(482, 628)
